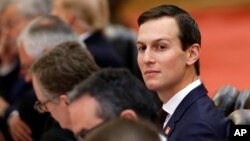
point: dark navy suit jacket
(197, 119)
(102, 51)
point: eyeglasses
(41, 106)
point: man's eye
(141, 48)
(161, 47)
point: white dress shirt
(171, 105)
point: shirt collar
(84, 36)
(172, 104)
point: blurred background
(225, 29)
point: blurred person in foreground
(124, 130)
(107, 94)
(15, 15)
(39, 36)
(169, 44)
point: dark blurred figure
(89, 18)
(225, 99)
(14, 89)
(243, 100)
(122, 38)
(115, 7)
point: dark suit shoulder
(102, 51)
(197, 118)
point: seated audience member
(15, 15)
(108, 94)
(240, 117)
(40, 35)
(225, 99)
(122, 38)
(124, 130)
(56, 73)
(88, 18)
(243, 100)
(169, 44)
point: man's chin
(152, 86)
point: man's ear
(64, 98)
(129, 114)
(71, 19)
(193, 54)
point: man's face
(83, 114)
(57, 107)
(160, 57)
(11, 24)
(13, 21)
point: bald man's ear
(129, 114)
(193, 54)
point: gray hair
(43, 33)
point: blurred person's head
(56, 73)
(83, 15)
(168, 46)
(41, 34)
(19, 12)
(124, 130)
(107, 94)
(15, 15)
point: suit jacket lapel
(194, 95)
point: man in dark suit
(169, 44)
(102, 51)
(39, 36)
(18, 119)
(89, 18)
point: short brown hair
(59, 70)
(124, 130)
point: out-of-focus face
(26, 62)
(58, 109)
(83, 114)
(13, 21)
(11, 25)
(160, 57)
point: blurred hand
(19, 130)
(3, 106)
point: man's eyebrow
(155, 40)
(139, 42)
